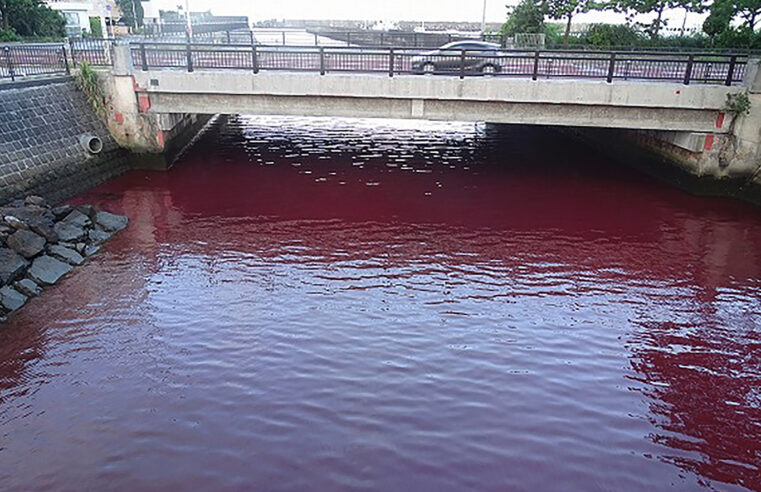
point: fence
(709, 68)
(18, 61)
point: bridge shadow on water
(505, 215)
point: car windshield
(460, 45)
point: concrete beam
(442, 110)
(568, 92)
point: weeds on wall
(87, 80)
(737, 104)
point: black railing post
(189, 54)
(143, 58)
(731, 72)
(462, 64)
(228, 36)
(283, 34)
(316, 42)
(322, 61)
(414, 39)
(348, 38)
(611, 67)
(65, 60)
(254, 58)
(688, 70)
(391, 63)
(535, 71)
(251, 37)
(7, 52)
(381, 38)
(73, 54)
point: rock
(111, 222)
(11, 299)
(26, 243)
(77, 218)
(91, 250)
(97, 236)
(66, 254)
(81, 247)
(28, 287)
(62, 211)
(47, 270)
(87, 210)
(35, 200)
(3, 319)
(6, 229)
(45, 229)
(69, 232)
(15, 222)
(12, 265)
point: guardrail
(17, 61)
(727, 69)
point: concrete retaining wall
(40, 152)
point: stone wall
(40, 152)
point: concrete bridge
(679, 104)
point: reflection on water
(329, 304)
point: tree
(132, 12)
(566, 9)
(526, 17)
(31, 18)
(749, 11)
(719, 18)
(658, 7)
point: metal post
(65, 60)
(381, 38)
(391, 63)
(414, 39)
(535, 72)
(143, 58)
(462, 64)
(283, 34)
(254, 58)
(348, 38)
(228, 36)
(316, 42)
(7, 52)
(251, 37)
(189, 55)
(688, 70)
(611, 67)
(322, 61)
(731, 72)
(73, 56)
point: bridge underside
(577, 103)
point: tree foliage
(132, 12)
(658, 7)
(526, 17)
(31, 18)
(566, 9)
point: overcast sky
(386, 10)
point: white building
(78, 14)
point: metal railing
(397, 39)
(95, 51)
(727, 69)
(17, 61)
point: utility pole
(483, 20)
(134, 15)
(187, 17)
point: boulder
(68, 232)
(47, 270)
(66, 254)
(26, 243)
(35, 200)
(111, 222)
(11, 299)
(12, 265)
(15, 222)
(44, 228)
(28, 287)
(98, 236)
(87, 210)
(77, 218)
(62, 211)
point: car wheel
(488, 70)
(429, 68)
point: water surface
(331, 304)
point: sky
(382, 10)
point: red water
(305, 304)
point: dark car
(476, 56)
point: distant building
(79, 13)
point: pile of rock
(39, 244)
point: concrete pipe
(91, 143)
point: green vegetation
(731, 24)
(87, 81)
(96, 28)
(737, 104)
(29, 19)
(132, 12)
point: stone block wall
(40, 153)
